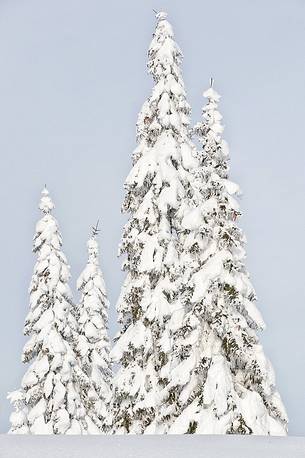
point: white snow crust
(152, 447)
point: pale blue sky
(72, 80)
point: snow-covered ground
(17, 446)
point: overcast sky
(72, 80)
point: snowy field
(13, 446)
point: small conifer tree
(93, 345)
(50, 400)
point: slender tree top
(46, 204)
(93, 246)
(165, 116)
(212, 94)
(161, 15)
(164, 55)
(95, 230)
(93, 265)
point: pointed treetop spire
(95, 229)
(211, 93)
(46, 204)
(92, 245)
(161, 15)
(164, 55)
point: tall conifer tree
(224, 382)
(149, 299)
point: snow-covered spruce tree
(93, 345)
(148, 306)
(50, 400)
(226, 385)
